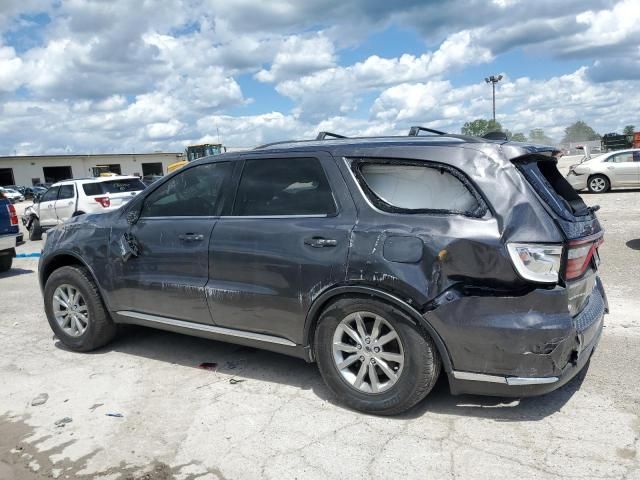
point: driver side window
(195, 192)
(50, 195)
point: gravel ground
(262, 415)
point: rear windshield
(548, 182)
(113, 186)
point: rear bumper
(516, 346)
(460, 383)
(8, 242)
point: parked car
(71, 198)
(17, 188)
(384, 260)
(33, 192)
(604, 172)
(12, 195)
(9, 232)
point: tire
(35, 230)
(99, 329)
(5, 263)
(417, 374)
(598, 184)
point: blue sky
(90, 76)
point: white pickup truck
(74, 197)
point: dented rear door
(287, 240)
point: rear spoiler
(515, 151)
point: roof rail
(324, 135)
(498, 135)
(415, 131)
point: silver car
(609, 170)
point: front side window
(66, 192)
(284, 186)
(194, 192)
(50, 195)
(417, 187)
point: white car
(74, 197)
(609, 170)
(13, 195)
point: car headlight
(536, 262)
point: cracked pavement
(279, 421)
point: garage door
(6, 176)
(151, 169)
(56, 174)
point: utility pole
(493, 79)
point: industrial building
(33, 170)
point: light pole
(493, 79)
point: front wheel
(35, 230)
(75, 310)
(598, 184)
(373, 358)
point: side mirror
(36, 197)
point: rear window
(545, 178)
(418, 187)
(113, 186)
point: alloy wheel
(70, 310)
(368, 352)
(597, 184)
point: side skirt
(240, 337)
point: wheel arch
(64, 259)
(351, 291)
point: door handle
(191, 237)
(319, 242)
(610, 168)
(70, 203)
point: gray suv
(385, 260)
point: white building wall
(31, 167)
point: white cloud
(11, 66)
(299, 56)
(123, 75)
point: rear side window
(417, 187)
(113, 186)
(284, 186)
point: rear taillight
(13, 216)
(579, 255)
(536, 262)
(104, 201)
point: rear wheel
(5, 262)
(373, 358)
(75, 310)
(598, 184)
(35, 230)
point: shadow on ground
(14, 272)
(634, 244)
(246, 364)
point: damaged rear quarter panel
(491, 318)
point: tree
(537, 135)
(480, 127)
(579, 132)
(519, 137)
(629, 130)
